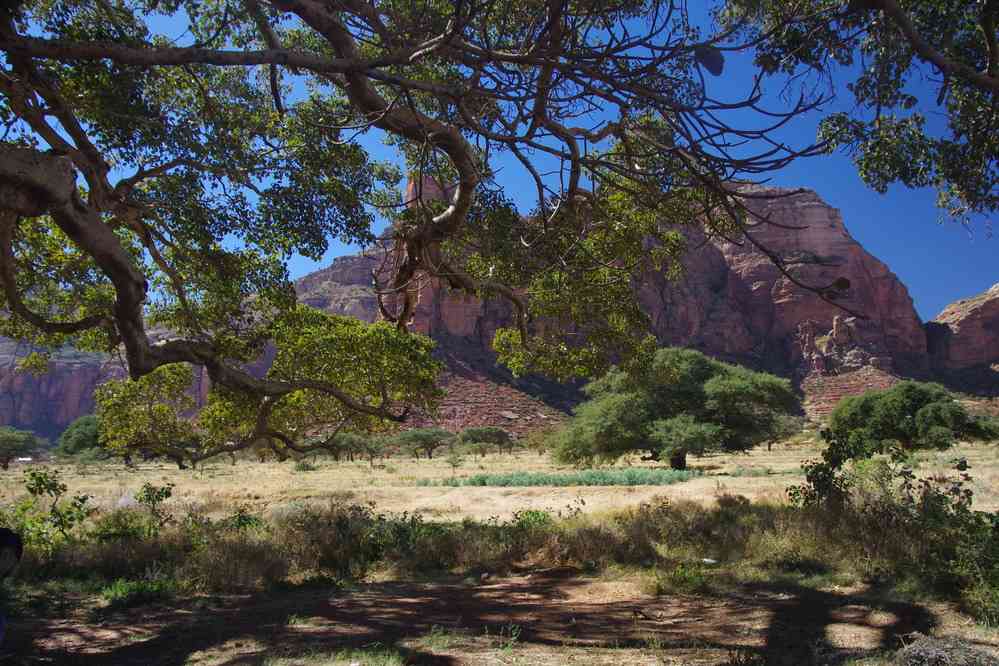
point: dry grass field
(530, 613)
(392, 484)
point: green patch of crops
(587, 477)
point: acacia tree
(156, 182)
(427, 440)
(671, 403)
(488, 435)
(909, 60)
(15, 443)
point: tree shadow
(781, 624)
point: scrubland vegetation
(902, 532)
(878, 510)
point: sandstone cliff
(733, 303)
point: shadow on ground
(774, 624)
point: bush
(682, 578)
(304, 465)
(122, 525)
(339, 539)
(234, 561)
(124, 593)
(81, 436)
(910, 416)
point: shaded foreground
(327, 580)
(550, 616)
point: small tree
(427, 440)
(373, 447)
(672, 403)
(83, 434)
(15, 443)
(908, 416)
(497, 437)
(455, 458)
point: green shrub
(124, 593)
(682, 578)
(81, 436)
(304, 465)
(123, 524)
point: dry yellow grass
(392, 483)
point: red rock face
(733, 303)
(48, 403)
(966, 333)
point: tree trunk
(678, 459)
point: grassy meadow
(416, 561)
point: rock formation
(732, 303)
(966, 334)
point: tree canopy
(907, 61)
(79, 436)
(671, 403)
(161, 161)
(910, 416)
(907, 417)
(426, 440)
(15, 443)
(317, 350)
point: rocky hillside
(733, 304)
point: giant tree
(674, 402)
(162, 160)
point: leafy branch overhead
(162, 161)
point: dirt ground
(555, 616)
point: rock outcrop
(733, 303)
(966, 334)
(47, 403)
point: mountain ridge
(732, 303)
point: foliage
(46, 527)
(152, 497)
(372, 361)
(455, 458)
(906, 417)
(426, 440)
(671, 403)
(889, 131)
(81, 435)
(163, 186)
(631, 476)
(488, 435)
(15, 443)
(123, 593)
